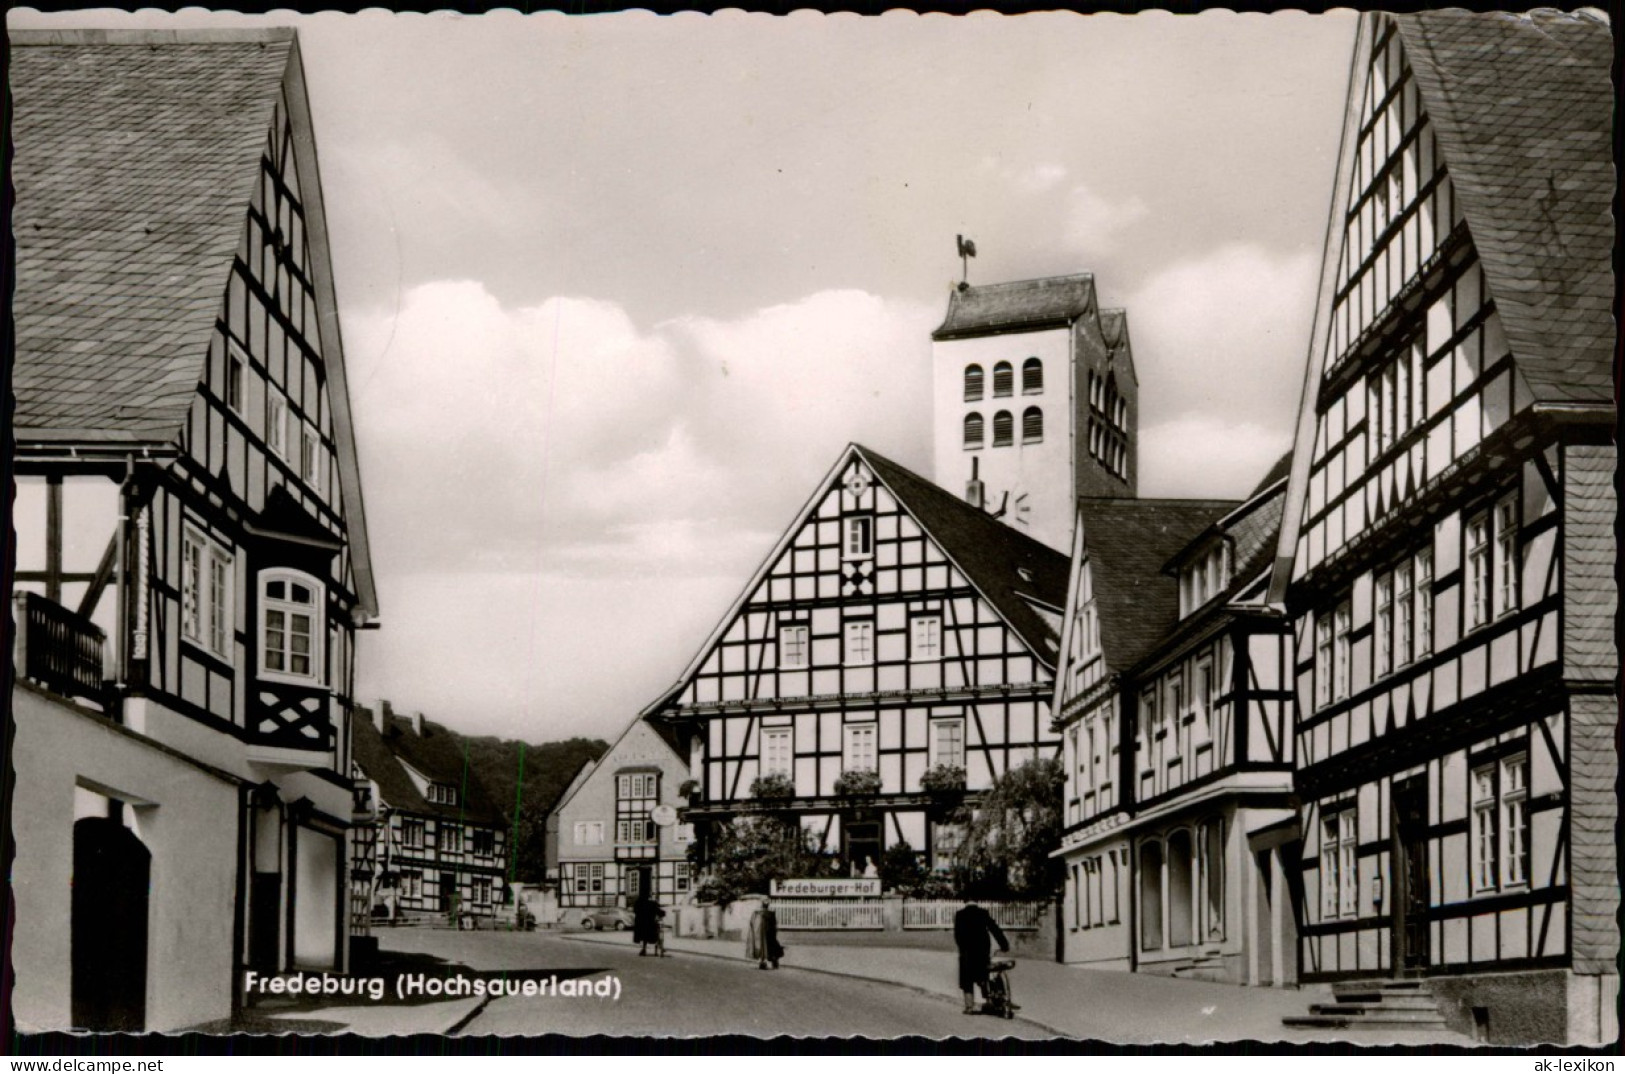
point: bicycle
(999, 1000)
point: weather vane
(967, 250)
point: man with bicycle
(974, 931)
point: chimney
(417, 724)
(378, 717)
(974, 491)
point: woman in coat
(646, 915)
(762, 937)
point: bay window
(290, 635)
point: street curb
(944, 997)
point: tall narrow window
(1003, 379)
(276, 424)
(1424, 602)
(948, 741)
(234, 378)
(1505, 567)
(290, 617)
(973, 383)
(1341, 645)
(775, 754)
(925, 637)
(1339, 879)
(975, 430)
(1032, 377)
(1383, 628)
(859, 747)
(1515, 821)
(1032, 425)
(310, 458)
(1323, 659)
(1003, 429)
(793, 645)
(206, 592)
(859, 542)
(860, 642)
(1404, 611)
(1476, 575)
(1484, 836)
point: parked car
(607, 917)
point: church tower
(1036, 402)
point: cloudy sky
(616, 290)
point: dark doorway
(639, 880)
(448, 892)
(1411, 880)
(862, 846)
(108, 933)
(265, 921)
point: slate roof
(1278, 472)
(1523, 105)
(1128, 542)
(1590, 587)
(135, 155)
(437, 754)
(1024, 304)
(992, 555)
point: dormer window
(291, 604)
(1205, 578)
(442, 794)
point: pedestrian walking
(974, 931)
(646, 915)
(762, 937)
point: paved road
(689, 995)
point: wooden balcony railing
(61, 650)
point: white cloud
(1093, 224)
(1207, 457)
(552, 483)
(1224, 333)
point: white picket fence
(939, 913)
(830, 913)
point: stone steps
(1394, 1004)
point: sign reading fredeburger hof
(825, 888)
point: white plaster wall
(1043, 470)
(595, 798)
(190, 826)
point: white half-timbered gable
(1442, 557)
(895, 629)
(192, 552)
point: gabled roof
(1008, 567)
(135, 156)
(1022, 305)
(1128, 542)
(1278, 472)
(662, 730)
(436, 754)
(1523, 106)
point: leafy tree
(1015, 827)
(751, 852)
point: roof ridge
(197, 36)
(1069, 278)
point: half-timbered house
(610, 844)
(439, 843)
(1119, 604)
(192, 558)
(1178, 741)
(1447, 555)
(896, 639)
